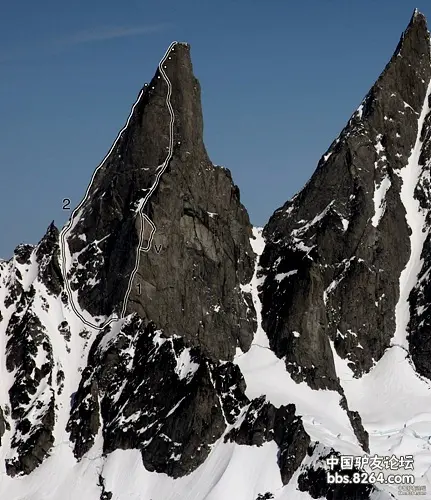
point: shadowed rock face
(334, 255)
(188, 282)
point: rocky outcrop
(356, 423)
(47, 257)
(2, 424)
(264, 422)
(30, 412)
(156, 394)
(29, 356)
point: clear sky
(280, 78)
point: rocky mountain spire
(154, 262)
(335, 252)
(158, 183)
(162, 240)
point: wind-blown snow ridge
(69, 226)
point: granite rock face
(160, 379)
(200, 253)
(341, 243)
(186, 298)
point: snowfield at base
(231, 471)
(324, 419)
(395, 407)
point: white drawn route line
(161, 169)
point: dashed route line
(160, 171)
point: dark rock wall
(344, 262)
(188, 283)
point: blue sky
(279, 79)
